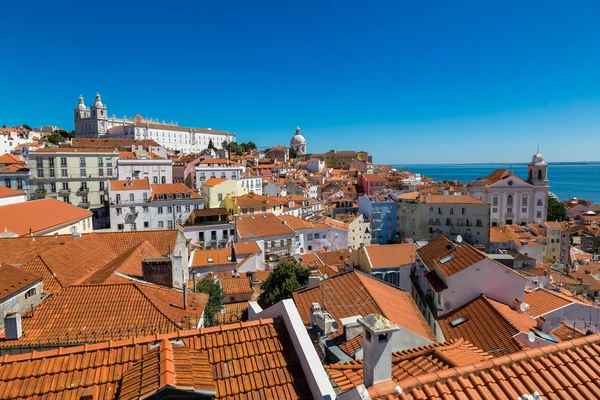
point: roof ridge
(112, 344)
(500, 313)
(530, 354)
(54, 276)
(137, 286)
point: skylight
(447, 258)
(546, 336)
(210, 259)
(460, 320)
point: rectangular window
(39, 162)
(524, 210)
(464, 210)
(146, 224)
(220, 196)
(159, 210)
(187, 208)
(145, 208)
(100, 172)
(65, 186)
(451, 211)
(7, 183)
(538, 214)
(51, 173)
(161, 224)
(51, 162)
(108, 171)
(52, 187)
(539, 202)
(63, 173)
(82, 173)
(170, 209)
(145, 196)
(40, 173)
(524, 202)
(118, 211)
(100, 163)
(178, 209)
(19, 183)
(66, 199)
(495, 201)
(63, 161)
(495, 209)
(120, 227)
(108, 162)
(170, 224)
(131, 197)
(82, 161)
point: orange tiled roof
(497, 235)
(172, 188)
(8, 158)
(261, 225)
(542, 301)
(13, 279)
(20, 250)
(373, 178)
(354, 293)
(236, 285)
(40, 216)
(563, 371)
(95, 313)
(485, 327)
(411, 363)
(234, 312)
(162, 240)
(129, 184)
(213, 181)
(73, 150)
(436, 250)
(566, 332)
(216, 256)
(452, 199)
(246, 248)
(8, 192)
(391, 255)
(247, 360)
(168, 366)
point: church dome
(538, 158)
(98, 102)
(81, 105)
(298, 138)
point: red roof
(8, 192)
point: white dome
(81, 105)
(537, 158)
(98, 102)
(298, 138)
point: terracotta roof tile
(542, 301)
(391, 255)
(13, 279)
(447, 257)
(251, 227)
(565, 371)
(452, 199)
(236, 285)
(40, 216)
(485, 326)
(206, 258)
(172, 188)
(247, 360)
(354, 293)
(246, 248)
(8, 192)
(213, 181)
(129, 184)
(233, 312)
(94, 313)
(411, 363)
(162, 240)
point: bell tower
(99, 115)
(537, 174)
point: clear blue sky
(408, 81)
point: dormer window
(210, 259)
(187, 195)
(179, 196)
(161, 196)
(170, 196)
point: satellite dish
(531, 336)
(334, 326)
(448, 306)
(523, 307)
(72, 229)
(540, 285)
(459, 238)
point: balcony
(83, 191)
(84, 204)
(39, 194)
(131, 215)
(64, 192)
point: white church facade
(94, 122)
(512, 199)
(298, 143)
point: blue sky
(410, 82)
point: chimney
(314, 280)
(377, 348)
(12, 326)
(184, 296)
(351, 327)
(540, 323)
(517, 305)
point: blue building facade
(381, 213)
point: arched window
(509, 200)
(540, 175)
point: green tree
(211, 145)
(251, 146)
(293, 153)
(285, 279)
(215, 300)
(55, 138)
(557, 211)
(63, 133)
(27, 127)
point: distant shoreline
(507, 163)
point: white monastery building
(94, 122)
(513, 200)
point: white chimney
(377, 348)
(314, 280)
(351, 327)
(12, 326)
